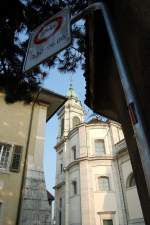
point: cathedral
(94, 179)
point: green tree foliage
(18, 18)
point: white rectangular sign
(49, 38)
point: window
(130, 181)
(61, 167)
(103, 183)
(10, 157)
(76, 121)
(74, 187)
(60, 208)
(74, 153)
(62, 127)
(60, 203)
(60, 218)
(16, 158)
(5, 151)
(99, 146)
(107, 222)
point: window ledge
(102, 155)
(4, 171)
(103, 192)
(73, 196)
(130, 188)
(136, 220)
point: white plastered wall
(74, 199)
(132, 199)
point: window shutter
(16, 158)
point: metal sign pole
(129, 90)
(131, 99)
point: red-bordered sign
(48, 30)
(48, 39)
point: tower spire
(71, 80)
(71, 92)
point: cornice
(77, 161)
(59, 185)
(121, 145)
(60, 143)
(118, 155)
(121, 153)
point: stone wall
(35, 207)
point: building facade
(94, 180)
(23, 195)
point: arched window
(130, 181)
(103, 183)
(75, 121)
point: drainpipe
(25, 160)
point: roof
(52, 99)
(96, 121)
(50, 196)
(104, 92)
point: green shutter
(16, 158)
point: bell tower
(70, 115)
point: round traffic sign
(48, 30)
